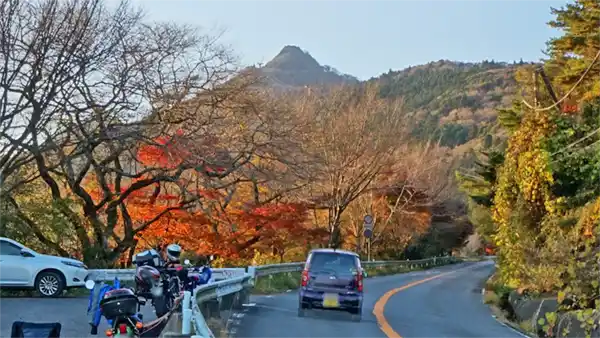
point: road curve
(445, 306)
(70, 312)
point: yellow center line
(381, 302)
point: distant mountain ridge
(447, 100)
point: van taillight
(359, 281)
(304, 277)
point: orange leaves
(217, 222)
(570, 106)
(276, 214)
(272, 218)
(172, 151)
(570, 109)
(183, 227)
(241, 229)
(166, 152)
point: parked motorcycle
(195, 276)
(149, 286)
(119, 306)
(162, 284)
(177, 279)
(152, 283)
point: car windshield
(340, 264)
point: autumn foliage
(203, 227)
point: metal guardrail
(416, 264)
(108, 275)
(217, 290)
(232, 282)
(265, 270)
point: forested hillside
(453, 101)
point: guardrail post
(252, 271)
(202, 329)
(186, 325)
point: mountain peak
(293, 58)
(291, 49)
(294, 67)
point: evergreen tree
(510, 118)
(480, 189)
(571, 53)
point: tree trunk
(335, 238)
(335, 233)
(131, 253)
(358, 243)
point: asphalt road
(448, 306)
(70, 312)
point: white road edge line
(500, 322)
(511, 328)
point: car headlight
(75, 264)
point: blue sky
(366, 38)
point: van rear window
(333, 262)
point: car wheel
(357, 315)
(49, 284)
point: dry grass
(491, 298)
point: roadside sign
(368, 226)
(368, 222)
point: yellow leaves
(523, 196)
(255, 160)
(554, 206)
(590, 220)
(533, 176)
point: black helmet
(146, 277)
(173, 252)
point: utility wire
(577, 142)
(579, 150)
(570, 91)
(588, 69)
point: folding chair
(35, 330)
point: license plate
(331, 300)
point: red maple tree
(200, 227)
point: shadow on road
(332, 315)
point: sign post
(368, 233)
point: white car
(23, 268)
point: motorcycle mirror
(89, 284)
(186, 262)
